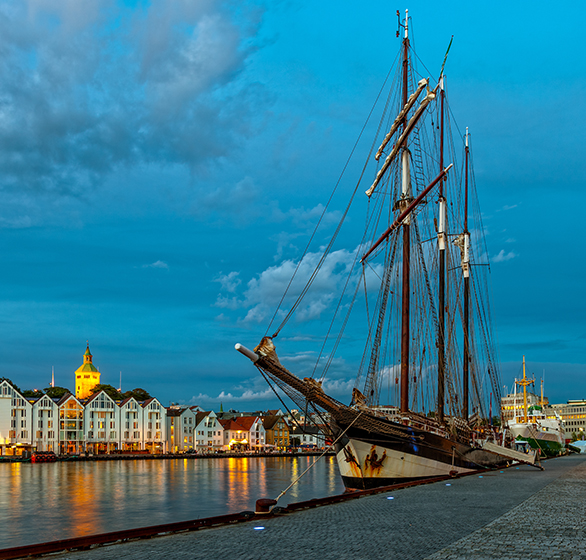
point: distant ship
(542, 433)
(422, 288)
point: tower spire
(87, 376)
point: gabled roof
(95, 396)
(127, 400)
(231, 424)
(46, 398)
(245, 422)
(66, 397)
(269, 421)
(174, 412)
(9, 383)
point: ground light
(259, 528)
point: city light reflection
(40, 503)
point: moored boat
(421, 287)
(544, 434)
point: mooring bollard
(263, 506)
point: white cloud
(302, 217)
(223, 397)
(502, 256)
(338, 387)
(229, 281)
(263, 294)
(157, 264)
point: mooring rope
(312, 464)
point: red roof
(245, 422)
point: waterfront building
(154, 426)
(180, 428)
(307, 436)
(101, 424)
(45, 418)
(71, 425)
(573, 415)
(209, 432)
(253, 424)
(174, 436)
(16, 421)
(87, 376)
(244, 432)
(277, 432)
(130, 432)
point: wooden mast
(403, 203)
(466, 357)
(442, 272)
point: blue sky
(161, 163)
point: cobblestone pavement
(518, 513)
(550, 524)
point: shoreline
(150, 456)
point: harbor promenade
(517, 513)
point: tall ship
(542, 433)
(411, 317)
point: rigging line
(366, 294)
(370, 386)
(342, 329)
(326, 208)
(482, 313)
(370, 342)
(380, 306)
(336, 314)
(313, 464)
(279, 397)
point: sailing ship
(542, 433)
(419, 291)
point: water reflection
(50, 501)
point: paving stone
(517, 513)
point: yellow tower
(86, 377)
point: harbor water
(51, 501)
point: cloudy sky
(163, 163)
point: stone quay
(517, 513)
